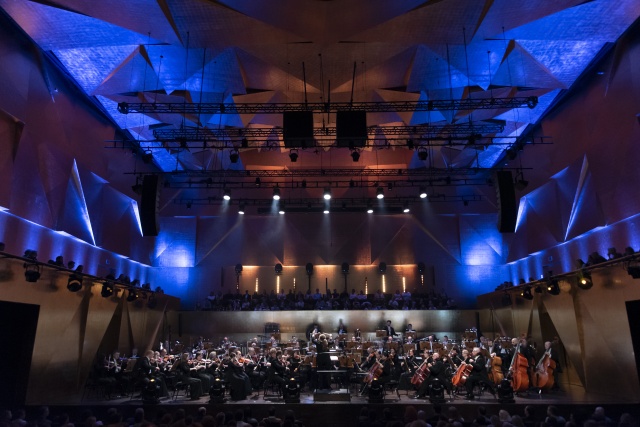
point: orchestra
(467, 365)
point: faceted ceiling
(289, 51)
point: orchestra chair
(179, 386)
(93, 388)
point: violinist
(437, 372)
(408, 368)
(199, 370)
(276, 370)
(478, 374)
(182, 369)
(238, 380)
(113, 365)
(145, 370)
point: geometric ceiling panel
(520, 68)
(587, 213)
(74, 217)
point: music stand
(381, 333)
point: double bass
(542, 377)
(495, 370)
(518, 371)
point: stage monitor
(297, 129)
(351, 129)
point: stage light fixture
(74, 283)
(436, 392)
(293, 155)
(71, 265)
(423, 192)
(538, 289)
(31, 272)
(31, 254)
(276, 193)
(135, 283)
(505, 392)
(628, 251)
(355, 155)
(634, 271)
(423, 154)
(241, 208)
(380, 193)
(405, 207)
(326, 211)
(309, 268)
(376, 392)
(382, 267)
(234, 156)
(553, 287)
(281, 209)
(584, 280)
(258, 182)
(421, 267)
(146, 286)
(526, 293)
(612, 253)
(579, 264)
(239, 268)
(150, 393)
(327, 193)
(291, 391)
(226, 194)
(147, 157)
(107, 289)
(216, 392)
(244, 143)
(369, 207)
(521, 184)
(278, 268)
(133, 295)
(390, 186)
(410, 144)
(596, 258)
(152, 302)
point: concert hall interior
(198, 176)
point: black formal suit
(323, 360)
(183, 371)
(276, 371)
(478, 375)
(437, 372)
(390, 331)
(144, 371)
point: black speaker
(297, 129)
(507, 209)
(351, 129)
(149, 205)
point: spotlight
(634, 271)
(216, 392)
(405, 208)
(436, 392)
(74, 284)
(150, 392)
(278, 268)
(382, 267)
(410, 144)
(71, 264)
(526, 293)
(281, 208)
(345, 267)
(505, 392)
(326, 211)
(238, 268)
(309, 268)
(553, 287)
(293, 155)
(291, 391)
(380, 193)
(31, 272)
(369, 207)
(135, 283)
(31, 254)
(612, 253)
(241, 208)
(521, 184)
(276, 193)
(133, 295)
(628, 251)
(579, 264)
(146, 286)
(595, 258)
(538, 289)
(107, 289)
(258, 182)
(327, 193)
(59, 261)
(234, 156)
(376, 392)
(137, 188)
(226, 194)
(355, 155)
(423, 192)
(584, 280)
(244, 143)
(423, 154)
(153, 302)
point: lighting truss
(443, 133)
(335, 204)
(324, 107)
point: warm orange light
(256, 284)
(294, 285)
(366, 286)
(384, 285)
(404, 284)
(277, 284)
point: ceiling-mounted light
(327, 193)
(276, 193)
(226, 194)
(410, 144)
(234, 155)
(281, 208)
(405, 208)
(355, 155)
(258, 182)
(107, 289)
(423, 154)
(147, 157)
(293, 155)
(133, 295)
(241, 209)
(526, 293)
(74, 284)
(584, 280)
(423, 192)
(325, 211)
(380, 193)
(553, 287)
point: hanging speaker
(351, 129)
(506, 195)
(297, 129)
(149, 205)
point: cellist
(478, 373)
(553, 353)
(437, 371)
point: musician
(390, 331)
(238, 380)
(445, 341)
(454, 358)
(386, 359)
(478, 374)
(437, 372)
(183, 371)
(371, 359)
(357, 335)
(409, 328)
(553, 354)
(313, 332)
(323, 361)
(275, 369)
(199, 370)
(431, 341)
(145, 371)
(341, 328)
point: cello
(543, 375)
(495, 369)
(461, 375)
(421, 374)
(518, 371)
(374, 372)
